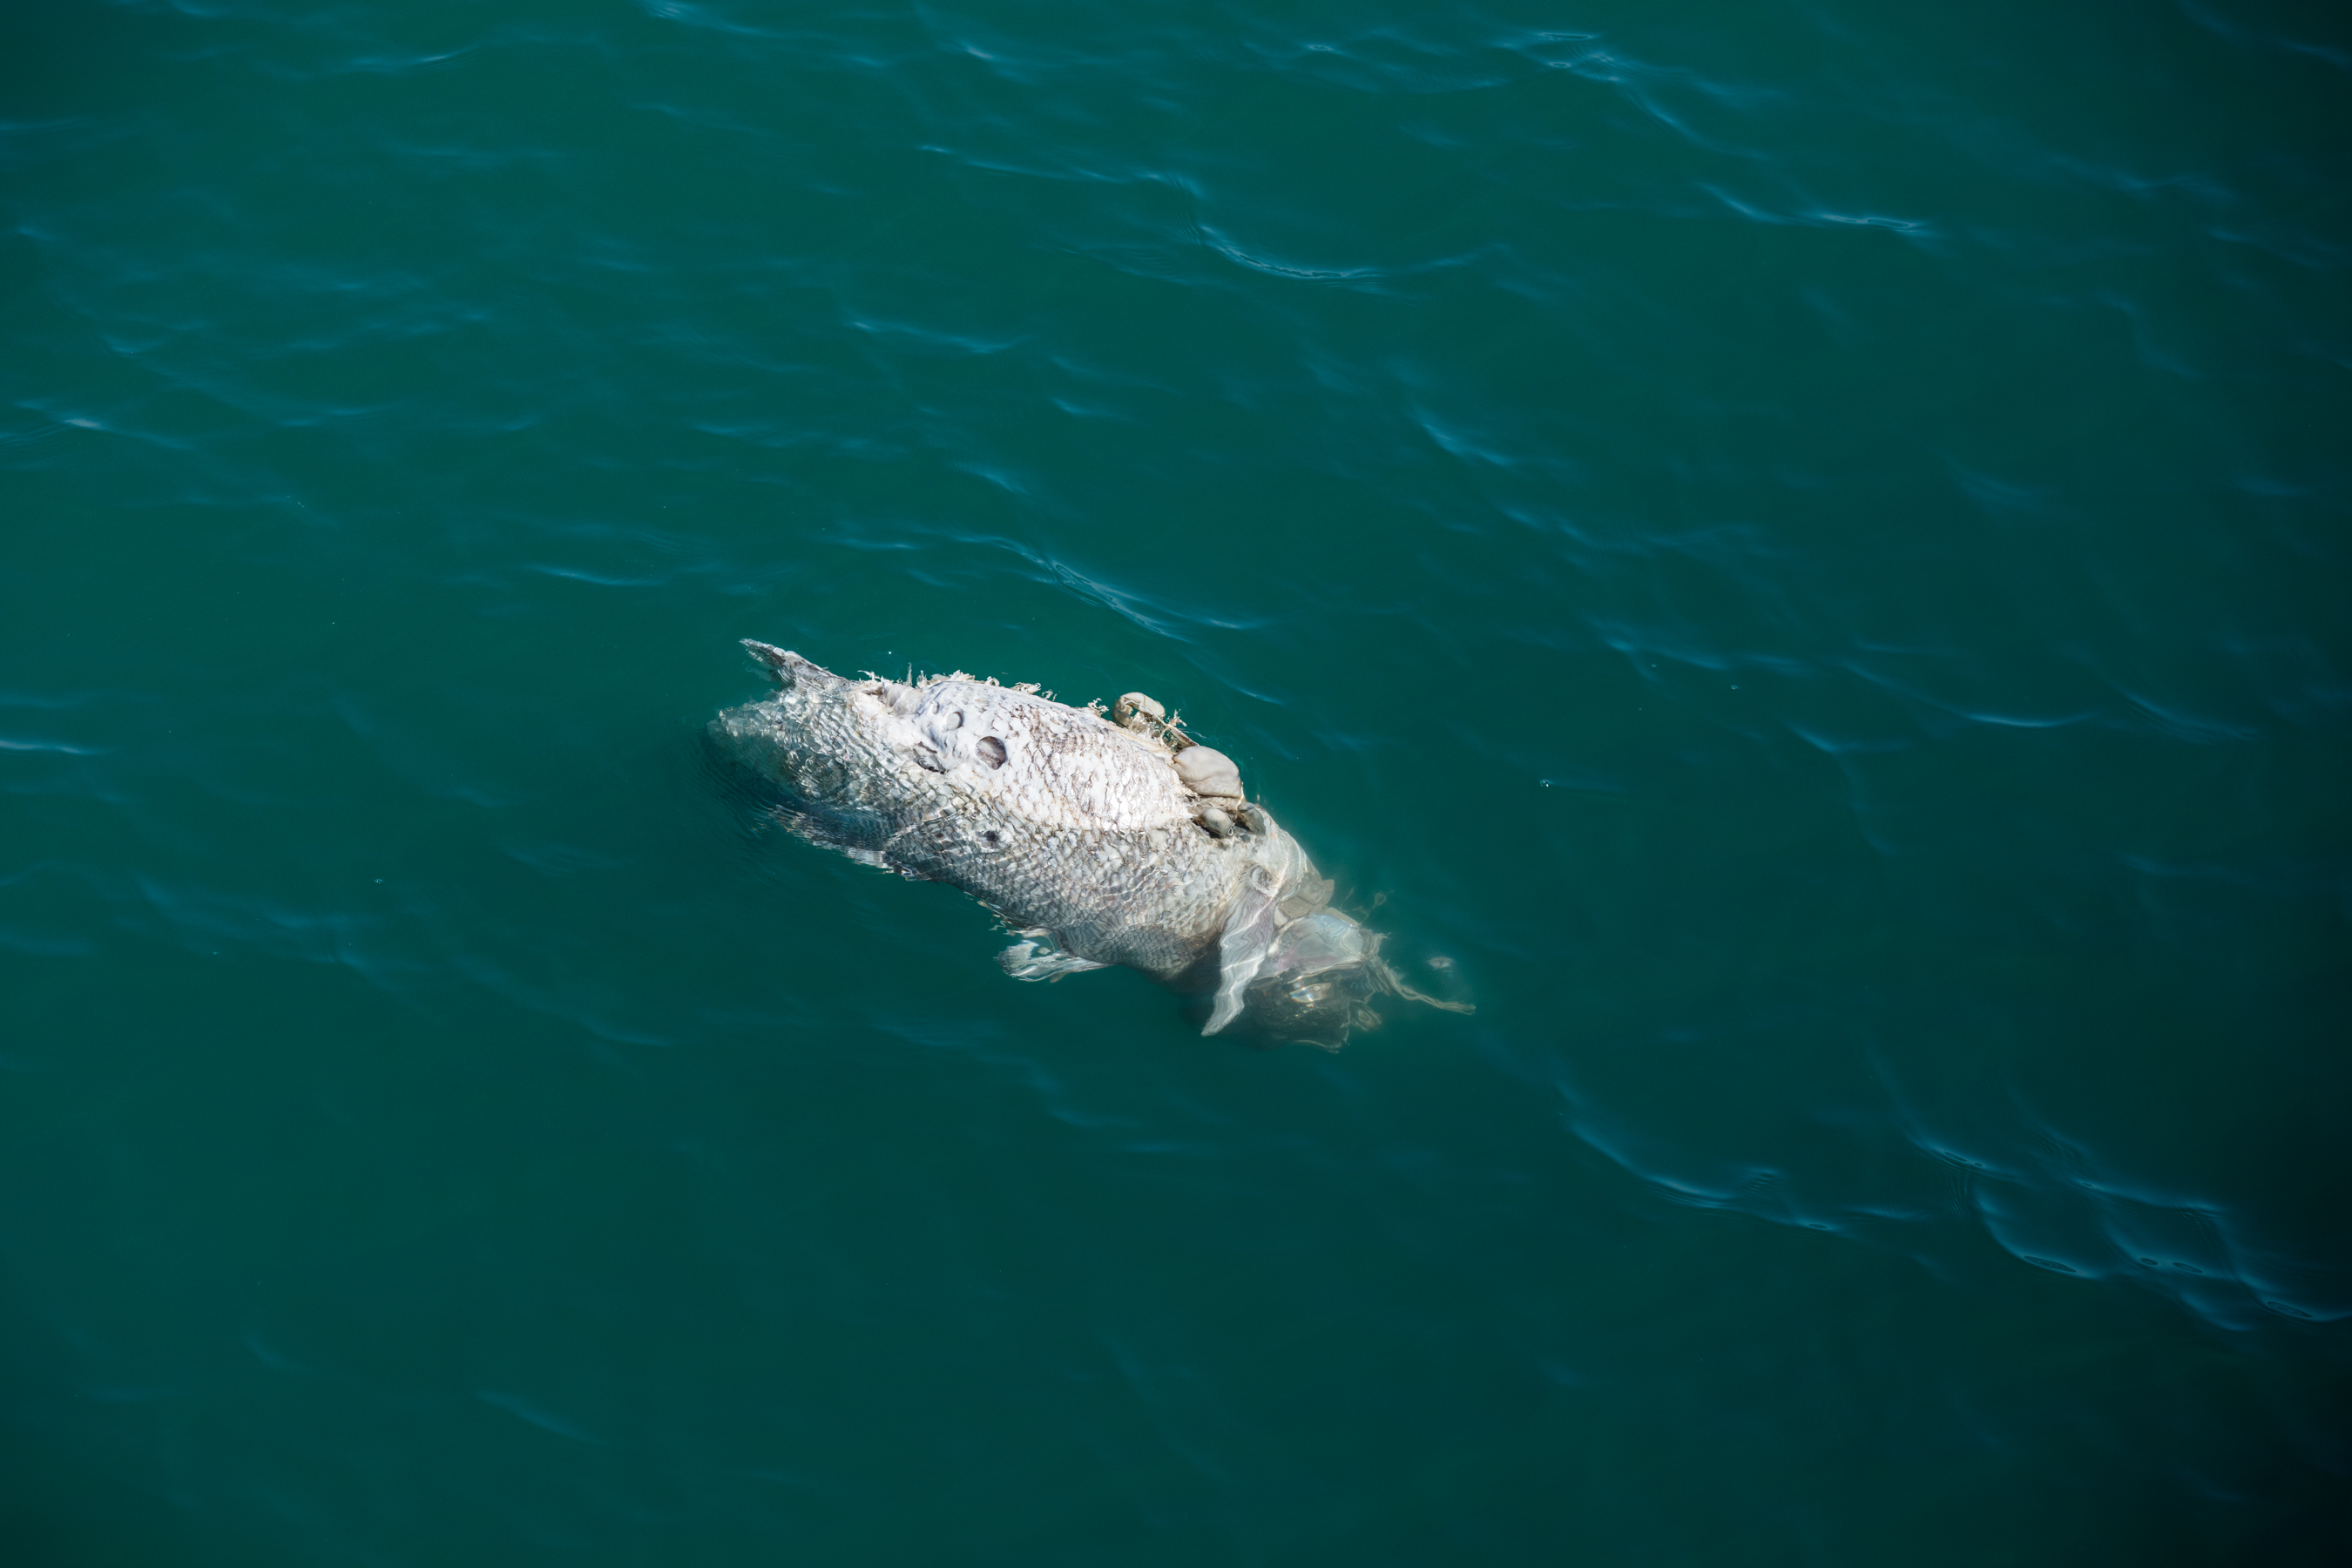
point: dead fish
(1100, 843)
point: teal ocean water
(1802, 546)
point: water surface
(1802, 548)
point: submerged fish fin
(787, 667)
(1041, 957)
(1241, 951)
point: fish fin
(787, 667)
(1040, 957)
(1241, 951)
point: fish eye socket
(991, 751)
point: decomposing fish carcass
(1101, 839)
